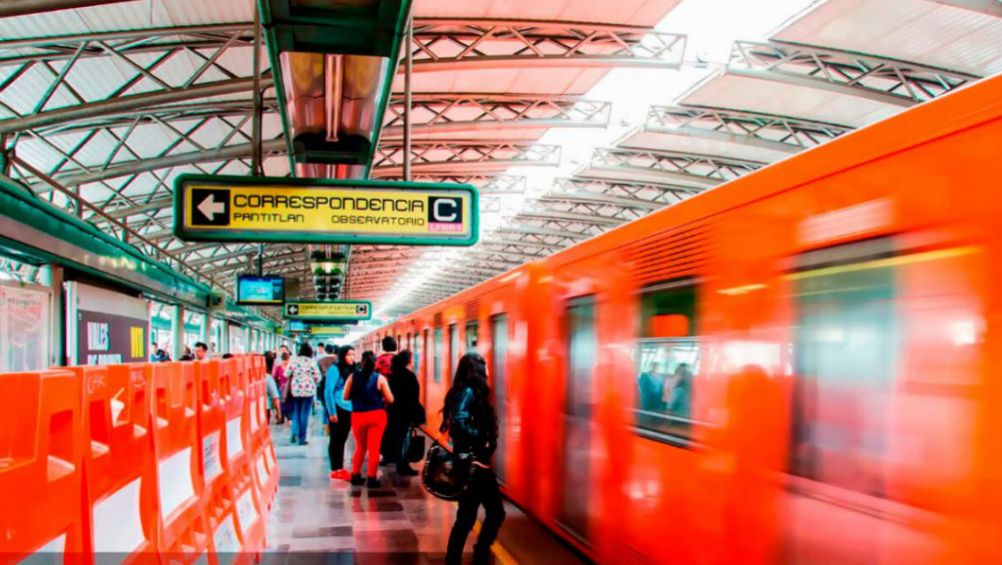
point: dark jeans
(393, 439)
(301, 408)
(483, 490)
(338, 436)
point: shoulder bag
(446, 474)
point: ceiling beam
(132, 102)
(447, 112)
(229, 152)
(448, 44)
(10, 8)
(888, 81)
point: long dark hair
(361, 380)
(342, 364)
(472, 373)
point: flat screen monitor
(253, 290)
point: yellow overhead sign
(333, 331)
(347, 310)
(226, 208)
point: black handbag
(413, 447)
(445, 474)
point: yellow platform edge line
(497, 549)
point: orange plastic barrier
(140, 463)
(218, 495)
(41, 472)
(233, 377)
(183, 533)
(259, 438)
(119, 468)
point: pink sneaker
(341, 474)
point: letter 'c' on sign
(445, 216)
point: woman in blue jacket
(339, 410)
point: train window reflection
(668, 360)
(437, 356)
(846, 353)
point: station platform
(317, 520)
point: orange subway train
(803, 366)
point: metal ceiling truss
(465, 113)
(699, 170)
(147, 92)
(144, 54)
(660, 194)
(890, 81)
(443, 44)
(557, 239)
(270, 261)
(119, 229)
(776, 133)
(449, 157)
(485, 183)
(23, 272)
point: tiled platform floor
(316, 520)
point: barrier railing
(144, 463)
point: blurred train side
(846, 401)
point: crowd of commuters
(376, 400)
(200, 353)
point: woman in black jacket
(472, 423)
(405, 412)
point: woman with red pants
(369, 393)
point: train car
(799, 367)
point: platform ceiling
(656, 100)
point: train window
(454, 349)
(668, 360)
(499, 352)
(437, 356)
(471, 335)
(845, 356)
(418, 342)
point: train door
(580, 319)
(499, 352)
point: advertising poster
(24, 328)
(110, 327)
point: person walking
(471, 422)
(281, 374)
(406, 411)
(303, 378)
(339, 410)
(369, 393)
(271, 386)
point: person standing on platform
(339, 410)
(384, 366)
(303, 378)
(384, 363)
(271, 386)
(369, 393)
(405, 412)
(201, 351)
(325, 362)
(472, 423)
(281, 374)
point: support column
(408, 69)
(52, 277)
(177, 332)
